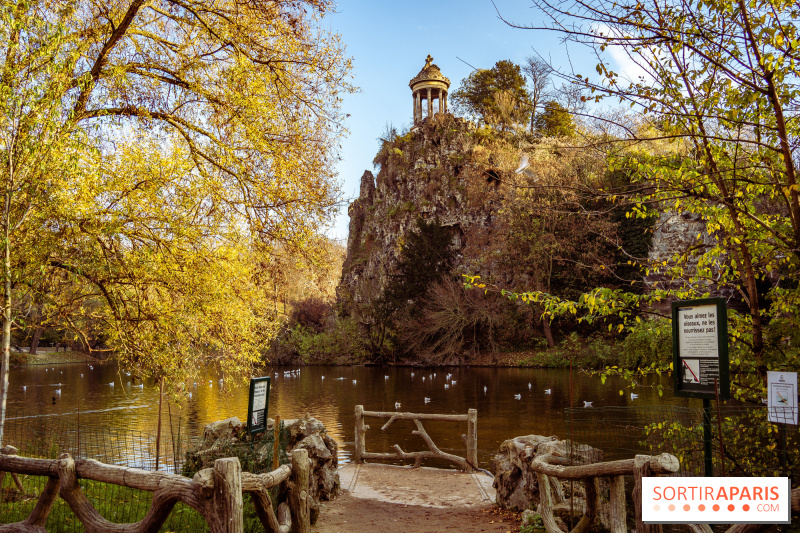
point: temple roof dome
(429, 72)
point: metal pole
(719, 428)
(783, 448)
(709, 463)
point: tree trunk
(548, 333)
(37, 334)
(4, 361)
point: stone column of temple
(418, 108)
(430, 104)
(441, 109)
(445, 100)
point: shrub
(650, 342)
(338, 342)
(451, 324)
(310, 313)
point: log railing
(215, 493)
(550, 493)
(550, 467)
(468, 463)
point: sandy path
(386, 499)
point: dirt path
(390, 499)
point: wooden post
(299, 499)
(360, 436)
(276, 443)
(641, 468)
(616, 510)
(472, 440)
(158, 431)
(226, 500)
(546, 504)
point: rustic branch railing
(215, 493)
(468, 463)
(552, 466)
(550, 493)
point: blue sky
(388, 42)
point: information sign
(258, 405)
(700, 348)
(782, 397)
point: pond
(510, 401)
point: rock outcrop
(433, 172)
(229, 437)
(310, 434)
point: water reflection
(510, 401)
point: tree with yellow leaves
(153, 152)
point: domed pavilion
(429, 85)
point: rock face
(516, 484)
(309, 433)
(445, 169)
(223, 429)
(435, 171)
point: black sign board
(700, 348)
(258, 405)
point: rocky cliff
(439, 170)
(446, 169)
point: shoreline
(550, 359)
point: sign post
(258, 404)
(700, 357)
(782, 404)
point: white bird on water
(81, 375)
(139, 386)
(518, 396)
(385, 377)
(547, 391)
(111, 384)
(529, 386)
(446, 386)
(354, 382)
(397, 405)
(587, 404)
(423, 378)
(634, 396)
(427, 400)
(485, 388)
(412, 374)
(323, 378)
(58, 392)
(453, 382)
(24, 388)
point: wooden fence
(468, 463)
(215, 493)
(551, 496)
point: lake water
(510, 401)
